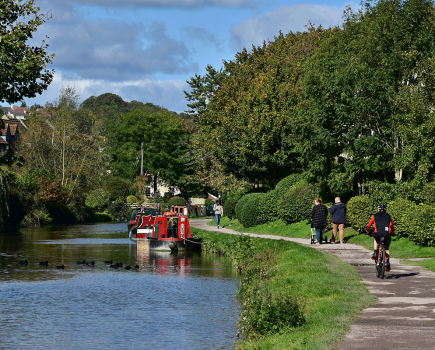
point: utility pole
(141, 159)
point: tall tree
(23, 68)
(163, 135)
(354, 78)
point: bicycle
(381, 261)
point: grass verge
(330, 290)
(401, 248)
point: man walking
(338, 212)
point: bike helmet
(382, 206)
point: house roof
(3, 141)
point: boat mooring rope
(194, 241)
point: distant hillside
(114, 103)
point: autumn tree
(252, 121)
(65, 142)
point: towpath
(404, 314)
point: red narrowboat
(167, 232)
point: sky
(146, 50)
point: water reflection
(182, 300)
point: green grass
(400, 248)
(330, 288)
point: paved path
(404, 314)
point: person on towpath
(338, 212)
(318, 219)
(218, 211)
(384, 227)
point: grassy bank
(328, 290)
(400, 248)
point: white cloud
(168, 93)
(256, 29)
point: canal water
(172, 301)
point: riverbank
(330, 290)
(404, 298)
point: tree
(165, 142)
(23, 68)
(251, 123)
(65, 142)
(354, 79)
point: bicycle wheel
(382, 273)
(378, 268)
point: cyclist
(384, 227)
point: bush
(176, 201)
(422, 225)
(230, 203)
(268, 204)
(239, 206)
(296, 205)
(359, 212)
(132, 200)
(264, 314)
(209, 201)
(250, 213)
(402, 212)
(36, 218)
(102, 217)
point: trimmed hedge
(422, 225)
(297, 203)
(239, 206)
(250, 213)
(176, 201)
(359, 211)
(269, 203)
(401, 211)
(231, 202)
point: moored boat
(167, 232)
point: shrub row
(415, 221)
(291, 201)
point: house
(13, 118)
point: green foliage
(268, 204)
(36, 218)
(23, 67)
(264, 314)
(164, 138)
(422, 225)
(209, 201)
(132, 200)
(176, 201)
(98, 198)
(250, 214)
(297, 203)
(102, 217)
(231, 202)
(402, 211)
(240, 204)
(116, 209)
(359, 212)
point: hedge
(269, 203)
(176, 201)
(231, 202)
(401, 211)
(359, 211)
(250, 213)
(297, 203)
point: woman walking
(318, 219)
(218, 212)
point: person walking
(338, 212)
(318, 219)
(218, 211)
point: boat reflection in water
(162, 261)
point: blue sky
(146, 50)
